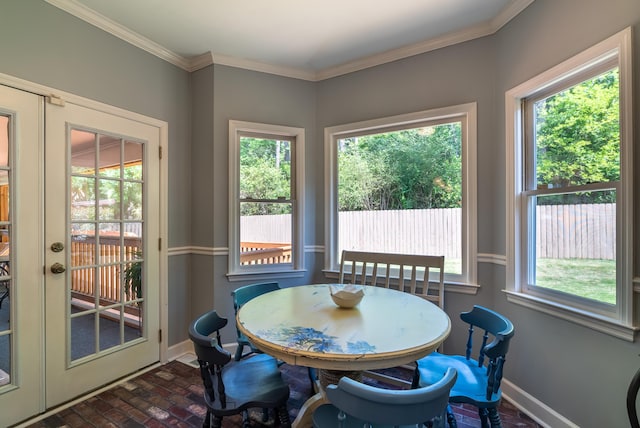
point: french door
(82, 234)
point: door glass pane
(6, 334)
(5, 354)
(108, 199)
(82, 198)
(109, 156)
(132, 201)
(83, 335)
(133, 160)
(4, 141)
(106, 286)
(83, 160)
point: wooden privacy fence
(432, 231)
(83, 253)
(585, 231)
(562, 231)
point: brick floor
(171, 396)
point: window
(569, 141)
(265, 198)
(405, 184)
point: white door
(79, 251)
(101, 249)
(21, 260)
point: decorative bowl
(346, 295)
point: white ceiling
(307, 39)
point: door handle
(57, 268)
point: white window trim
(621, 324)
(236, 272)
(469, 181)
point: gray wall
(580, 373)
(263, 98)
(44, 45)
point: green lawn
(589, 278)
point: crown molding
(200, 61)
(208, 58)
(90, 16)
(475, 32)
(406, 51)
(248, 64)
(508, 13)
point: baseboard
(176, 351)
(534, 408)
(186, 347)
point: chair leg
(217, 422)
(451, 418)
(283, 416)
(245, 420)
(238, 355)
(484, 418)
(415, 382)
(313, 375)
(494, 418)
(632, 393)
(207, 420)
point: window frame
(236, 271)
(467, 113)
(618, 321)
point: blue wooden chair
(241, 296)
(356, 405)
(478, 379)
(232, 389)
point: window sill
(449, 286)
(593, 321)
(265, 275)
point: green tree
(577, 136)
(265, 174)
(408, 169)
(358, 183)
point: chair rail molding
(497, 259)
(224, 251)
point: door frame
(56, 96)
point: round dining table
(301, 325)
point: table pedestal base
(325, 377)
(328, 377)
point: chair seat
(471, 385)
(327, 416)
(253, 382)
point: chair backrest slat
(406, 272)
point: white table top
(303, 326)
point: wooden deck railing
(83, 279)
(84, 262)
(261, 253)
